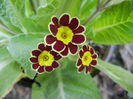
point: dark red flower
(65, 35)
(88, 59)
(44, 59)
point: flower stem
(99, 8)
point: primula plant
(53, 44)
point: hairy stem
(94, 14)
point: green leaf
(117, 74)
(30, 25)
(28, 9)
(115, 25)
(87, 7)
(49, 8)
(72, 7)
(10, 72)
(5, 57)
(4, 33)
(46, 10)
(4, 54)
(117, 1)
(37, 92)
(6, 14)
(14, 14)
(66, 83)
(20, 48)
(80, 8)
(18, 16)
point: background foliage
(24, 23)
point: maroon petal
(81, 53)
(64, 20)
(80, 68)
(88, 69)
(41, 69)
(80, 29)
(53, 53)
(48, 68)
(85, 48)
(56, 55)
(58, 46)
(50, 39)
(79, 62)
(74, 23)
(55, 64)
(78, 39)
(94, 56)
(73, 48)
(35, 66)
(93, 62)
(65, 52)
(36, 53)
(55, 20)
(33, 59)
(92, 51)
(53, 29)
(41, 47)
(48, 48)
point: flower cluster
(66, 35)
(87, 59)
(44, 59)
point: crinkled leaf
(4, 33)
(20, 48)
(66, 83)
(18, 16)
(6, 14)
(115, 25)
(49, 8)
(13, 11)
(5, 56)
(10, 72)
(45, 10)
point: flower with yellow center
(44, 59)
(88, 58)
(66, 35)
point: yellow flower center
(86, 58)
(64, 34)
(45, 59)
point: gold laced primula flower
(88, 59)
(65, 35)
(44, 59)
